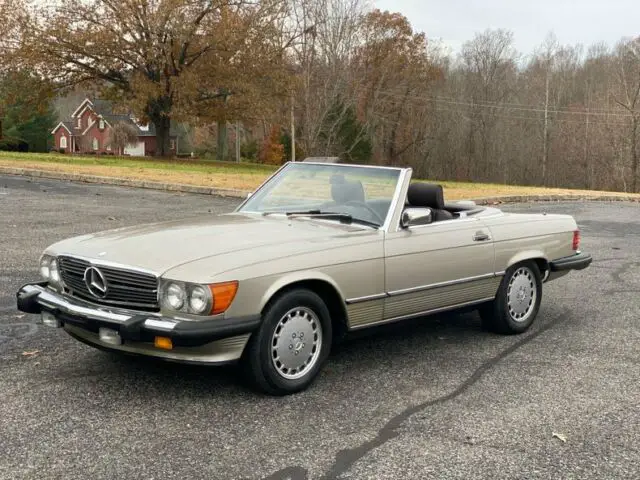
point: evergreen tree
(26, 113)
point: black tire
(261, 361)
(505, 317)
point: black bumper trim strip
(578, 261)
(185, 333)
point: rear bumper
(191, 340)
(579, 261)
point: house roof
(66, 124)
(104, 108)
(77, 110)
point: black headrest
(426, 195)
(344, 191)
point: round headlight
(175, 296)
(44, 267)
(54, 273)
(200, 299)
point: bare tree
(120, 136)
(489, 66)
(329, 34)
(628, 97)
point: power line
(389, 121)
(505, 106)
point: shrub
(272, 151)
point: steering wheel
(357, 203)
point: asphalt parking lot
(433, 398)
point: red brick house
(87, 131)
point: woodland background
(348, 80)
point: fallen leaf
(560, 436)
(111, 218)
(30, 354)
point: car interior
(350, 194)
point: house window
(63, 141)
(101, 124)
(79, 122)
(95, 144)
(108, 148)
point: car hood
(159, 247)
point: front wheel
(287, 352)
(517, 302)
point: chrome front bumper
(214, 341)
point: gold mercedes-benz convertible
(318, 250)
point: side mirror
(412, 217)
(249, 194)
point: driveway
(432, 398)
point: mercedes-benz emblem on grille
(95, 281)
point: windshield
(363, 193)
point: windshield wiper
(342, 217)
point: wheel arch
(320, 284)
(536, 256)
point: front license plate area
(110, 336)
(50, 320)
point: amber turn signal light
(163, 342)
(222, 294)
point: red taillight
(576, 240)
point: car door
(438, 266)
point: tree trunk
(634, 155)
(163, 128)
(159, 112)
(223, 144)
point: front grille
(124, 288)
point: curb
(233, 193)
(125, 182)
(555, 198)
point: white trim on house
(61, 124)
(80, 106)
(88, 107)
(91, 124)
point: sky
(572, 21)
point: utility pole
(237, 141)
(546, 130)
(587, 165)
(293, 130)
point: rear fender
(536, 255)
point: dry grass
(458, 191)
(212, 174)
(232, 175)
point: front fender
(297, 277)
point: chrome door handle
(480, 237)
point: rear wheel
(517, 302)
(286, 354)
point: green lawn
(181, 165)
